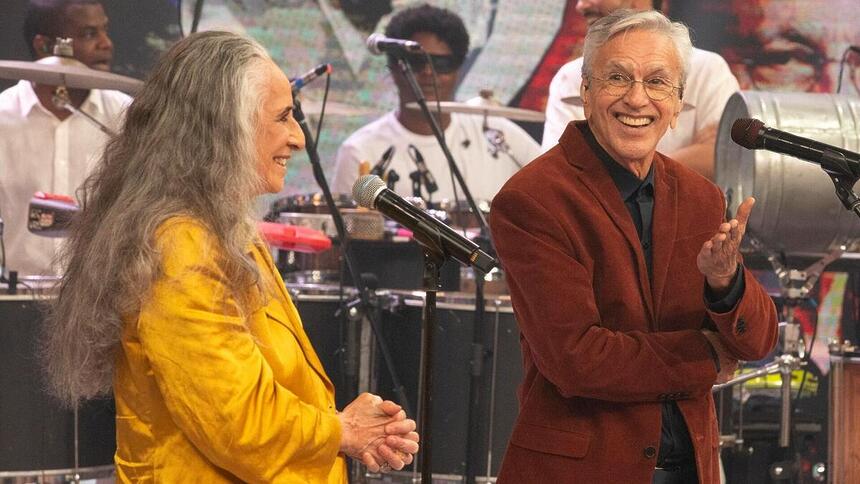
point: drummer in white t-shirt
(485, 169)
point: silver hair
(624, 20)
(187, 147)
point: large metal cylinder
(797, 211)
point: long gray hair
(186, 148)
(623, 20)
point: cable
(439, 116)
(842, 68)
(179, 18)
(322, 108)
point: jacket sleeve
(552, 293)
(216, 384)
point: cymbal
(63, 71)
(485, 104)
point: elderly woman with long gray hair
(171, 300)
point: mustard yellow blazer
(204, 394)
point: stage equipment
(40, 440)
(299, 82)
(794, 213)
(68, 72)
(843, 466)
(379, 44)
(487, 105)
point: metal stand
(365, 303)
(477, 341)
(433, 260)
(795, 286)
(62, 101)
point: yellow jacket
(205, 395)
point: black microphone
(753, 134)
(382, 165)
(370, 192)
(299, 82)
(426, 177)
(379, 44)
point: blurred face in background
(796, 45)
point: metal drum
(311, 211)
(452, 366)
(37, 434)
(796, 211)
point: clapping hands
(377, 433)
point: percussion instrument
(487, 105)
(38, 436)
(69, 72)
(796, 210)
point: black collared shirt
(676, 448)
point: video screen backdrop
(516, 47)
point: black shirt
(676, 448)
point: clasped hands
(377, 433)
(718, 262)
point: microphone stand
(478, 351)
(365, 301)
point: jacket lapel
(597, 180)
(281, 309)
(665, 226)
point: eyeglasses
(656, 88)
(442, 64)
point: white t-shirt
(483, 173)
(38, 152)
(710, 83)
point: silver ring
(385, 467)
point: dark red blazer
(602, 344)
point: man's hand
(378, 433)
(728, 365)
(719, 256)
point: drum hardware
(61, 100)
(795, 287)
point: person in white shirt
(42, 147)
(709, 85)
(485, 169)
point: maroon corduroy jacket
(604, 346)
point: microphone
(299, 82)
(426, 177)
(754, 135)
(382, 165)
(379, 44)
(370, 192)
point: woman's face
(278, 132)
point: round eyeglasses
(656, 88)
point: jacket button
(650, 452)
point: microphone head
(746, 132)
(366, 189)
(372, 41)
